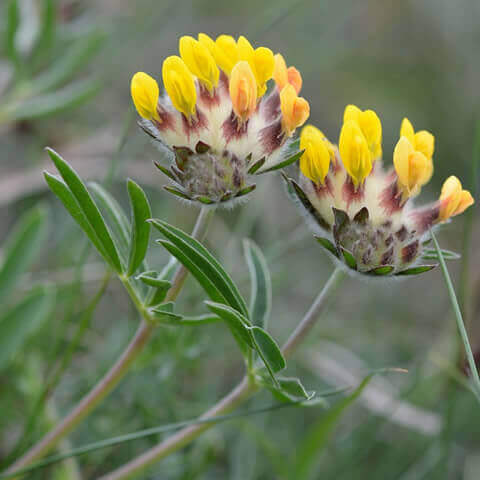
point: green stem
(242, 392)
(119, 369)
(459, 319)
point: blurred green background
(418, 59)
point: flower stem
(121, 366)
(459, 319)
(242, 392)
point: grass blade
(459, 319)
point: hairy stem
(121, 366)
(243, 391)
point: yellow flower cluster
(248, 69)
(360, 144)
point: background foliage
(413, 58)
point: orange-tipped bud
(284, 76)
(294, 79)
(295, 109)
(243, 90)
(453, 199)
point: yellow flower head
(243, 90)
(412, 167)
(315, 160)
(369, 124)
(422, 141)
(354, 151)
(295, 109)
(199, 61)
(453, 199)
(145, 94)
(260, 60)
(180, 85)
(283, 75)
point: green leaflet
(85, 212)
(261, 285)
(206, 269)
(141, 212)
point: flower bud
(199, 61)
(370, 126)
(295, 109)
(180, 85)
(354, 151)
(453, 199)
(145, 94)
(315, 160)
(243, 90)
(412, 167)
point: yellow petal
(351, 113)
(372, 130)
(406, 130)
(295, 109)
(243, 90)
(145, 92)
(453, 199)
(401, 155)
(199, 61)
(263, 68)
(180, 85)
(418, 171)
(425, 143)
(315, 160)
(294, 79)
(226, 53)
(245, 50)
(354, 151)
(280, 75)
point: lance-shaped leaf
(260, 284)
(21, 249)
(268, 350)
(327, 244)
(416, 270)
(141, 212)
(349, 258)
(159, 284)
(18, 323)
(300, 195)
(431, 254)
(118, 220)
(290, 389)
(238, 325)
(207, 270)
(88, 208)
(164, 314)
(284, 163)
(380, 271)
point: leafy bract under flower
(217, 117)
(363, 213)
